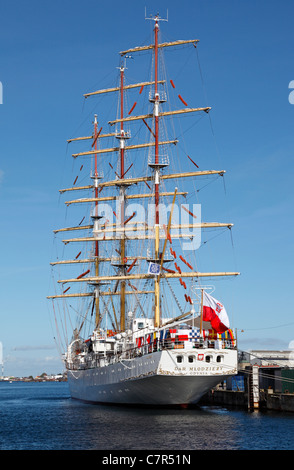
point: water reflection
(43, 416)
(125, 428)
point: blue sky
(52, 53)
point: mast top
(156, 18)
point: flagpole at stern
(201, 313)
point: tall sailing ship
(147, 330)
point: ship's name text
(199, 368)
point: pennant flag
(154, 269)
(228, 335)
(173, 334)
(209, 334)
(194, 333)
(140, 341)
(163, 334)
(149, 338)
(212, 334)
(183, 335)
(205, 334)
(215, 313)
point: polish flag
(215, 313)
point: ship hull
(156, 379)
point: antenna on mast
(123, 62)
(156, 17)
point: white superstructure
(149, 367)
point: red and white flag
(215, 313)
(183, 335)
(173, 332)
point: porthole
(191, 358)
(179, 358)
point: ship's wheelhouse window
(191, 358)
(179, 358)
(140, 325)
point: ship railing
(124, 135)
(159, 345)
(149, 348)
(196, 344)
(159, 162)
(159, 96)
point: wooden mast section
(164, 44)
(127, 87)
(165, 113)
(129, 147)
(193, 274)
(143, 227)
(114, 234)
(141, 179)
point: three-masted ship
(147, 330)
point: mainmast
(122, 136)
(156, 166)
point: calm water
(42, 416)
